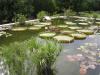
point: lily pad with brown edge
(63, 38)
(84, 24)
(86, 31)
(34, 28)
(47, 35)
(66, 32)
(78, 36)
(41, 26)
(62, 26)
(19, 29)
(74, 28)
(70, 23)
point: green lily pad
(64, 39)
(47, 35)
(70, 23)
(66, 32)
(19, 29)
(85, 31)
(34, 28)
(84, 24)
(74, 28)
(62, 26)
(78, 36)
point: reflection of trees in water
(91, 53)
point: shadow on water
(17, 37)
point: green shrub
(21, 58)
(21, 19)
(69, 12)
(41, 14)
(58, 21)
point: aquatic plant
(45, 56)
(41, 14)
(21, 19)
(14, 56)
(58, 21)
(22, 58)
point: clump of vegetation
(41, 14)
(14, 56)
(22, 58)
(58, 21)
(21, 19)
(69, 12)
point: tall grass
(22, 58)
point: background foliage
(10, 8)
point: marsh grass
(22, 58)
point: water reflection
(73, 67)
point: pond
(63, 66)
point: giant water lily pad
(64, 39)
(1, 34)
(84, 24)
(19, 29)
(66, 32)
(78, 36)
(62, 26)
(47, 35)
(40, 26)
(70, 23)
(74, 28)
(98, 23)
(45, 23)
(85, 31)
(34, 28)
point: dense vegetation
(9, 9)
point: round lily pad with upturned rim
(40, 26)
(85, 31)
(78, 36)
(47, 35)
(19, 29)
(66, 32)
(62, 26)
(74, 28)
(84, 24)
(70, 23)
(34, 28)
(63, 38)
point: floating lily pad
(70, 23)
(45, 23)
(40, 26)
(85, 24)
(78, 36)
(98, 23)
(74, 28)
(64, 39)
(66, 32)
(62, 26)
(1, 35)
(47, 35)
(19, 29)
(88, 32)
(34, 28)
